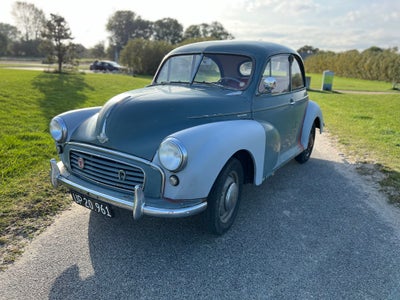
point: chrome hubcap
(229, 197)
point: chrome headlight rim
(58, 129)
(172, 154)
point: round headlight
(172, 154)
(58, 129)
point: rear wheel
(224, 198)
(305, 155)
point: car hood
(136, 122)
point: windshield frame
(238, 82)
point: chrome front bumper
(136, 202)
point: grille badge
(81, 163)
(121, 175)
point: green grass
(367, 125)
(28, 100)
(351, 84)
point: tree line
(33, 35)
(374, 63)
(141, 45)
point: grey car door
(277, 105)
(272, 104)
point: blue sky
(329, 25)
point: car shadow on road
(295, 237)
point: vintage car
(217, 115)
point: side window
(278, 69)
(296, 76)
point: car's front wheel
(224, 198)
(305, 155)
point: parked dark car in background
(106, 66)
(217, 115)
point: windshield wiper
(172, 82)
(210, 83)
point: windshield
(222, 70)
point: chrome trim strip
(174, 213)
(102, 137)
(218, 115)
(116, 153)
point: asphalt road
(312, 231)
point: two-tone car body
(216, 115)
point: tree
(3, 44)
(79, 51)
(168, 29)
(373, 49)
(307, 50)
(26, 48)
(74, 52)
(125, 25)
(57, 31)
(11, 32)
(30, 20)
(192, 32)
(98, 50)
(144, 29)
(8, 35)
(215, 31)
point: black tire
(224, 198)
(305, 155)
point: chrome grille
(106, 171)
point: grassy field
(367, 125)
(28, 100)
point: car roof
(252, 48)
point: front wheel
(305, 155)
(224, 198)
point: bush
(143, 56)
(372, 64)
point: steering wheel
(221, 80)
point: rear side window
(296, 76)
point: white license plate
(93, 204)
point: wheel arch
(247, 162)
(313, 116)
(209, 148)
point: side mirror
(269, 84)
